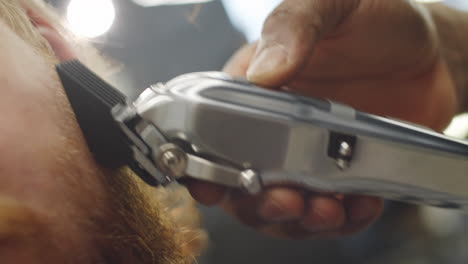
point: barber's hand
(378, 56)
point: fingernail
(272, 210)
(267, 61)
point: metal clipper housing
(212, 127)
(320, 145)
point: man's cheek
(29, 138)
(26, 151)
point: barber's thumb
(284, 47)
(273, 62)
(289, 36)
(267, 66)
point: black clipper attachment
(92, 100)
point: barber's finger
(330, 217)
(289, 36)
(323, 217)
(206, 193)
(238, 64)
(323, 214)
(281, 204)
(276, 205)
(361, 212)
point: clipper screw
(172, 160)
(346, 152)
(250, 181)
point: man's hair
(148, 222)
(17, 15)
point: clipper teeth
(88, 80)
(92, 100)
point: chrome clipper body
(212, 127)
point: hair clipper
(212, 127)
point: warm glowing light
(90, 18)
(148, 3)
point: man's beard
(143, 228)
(131, 222)
(138, 223)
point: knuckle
(301, 23)
(304, 18)
(279, 15)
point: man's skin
(58, 206)
(383, 57)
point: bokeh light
(90, 18)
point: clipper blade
(92, 100)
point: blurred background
(156, 40)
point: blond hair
(20, 18)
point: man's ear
(61, 47)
